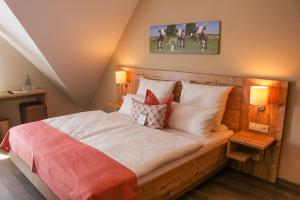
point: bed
(176, 161)
(179, 148)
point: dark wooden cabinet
(32, 111)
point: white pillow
(161, 89)
(192, 119)
(127, 103)
(206, 96)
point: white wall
(76, 37)
(260, 38)
(13, 70)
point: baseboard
(288, 184)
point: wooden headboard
(238, 111)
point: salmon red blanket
(71, 169)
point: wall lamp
(121, 79)
(259, 97)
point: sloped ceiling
(12, 31)
(76, 37)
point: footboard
(181, 179)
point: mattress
(139, 148)
(210, 142)
(147, 152)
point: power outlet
(258, 127)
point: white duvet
(139, 148)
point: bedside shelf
(244, 146)
(240, 156)
(254, 140)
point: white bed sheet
(139, 148)
(211, 141)
(147, 152)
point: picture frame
(196, 38)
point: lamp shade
(259, 95)
(121, 77)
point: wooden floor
(13, 184)
(227, 185)
(233, 185)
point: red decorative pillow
(151, 99)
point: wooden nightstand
(114, 105)
(245, 145)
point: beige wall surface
(13, 70)
(258, 39)
(76, 37)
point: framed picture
(199, 37)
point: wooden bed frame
(238, 113)
(169, 185)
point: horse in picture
(160, 38)
(180, 38)
(203, 37)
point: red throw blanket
(71, 169)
